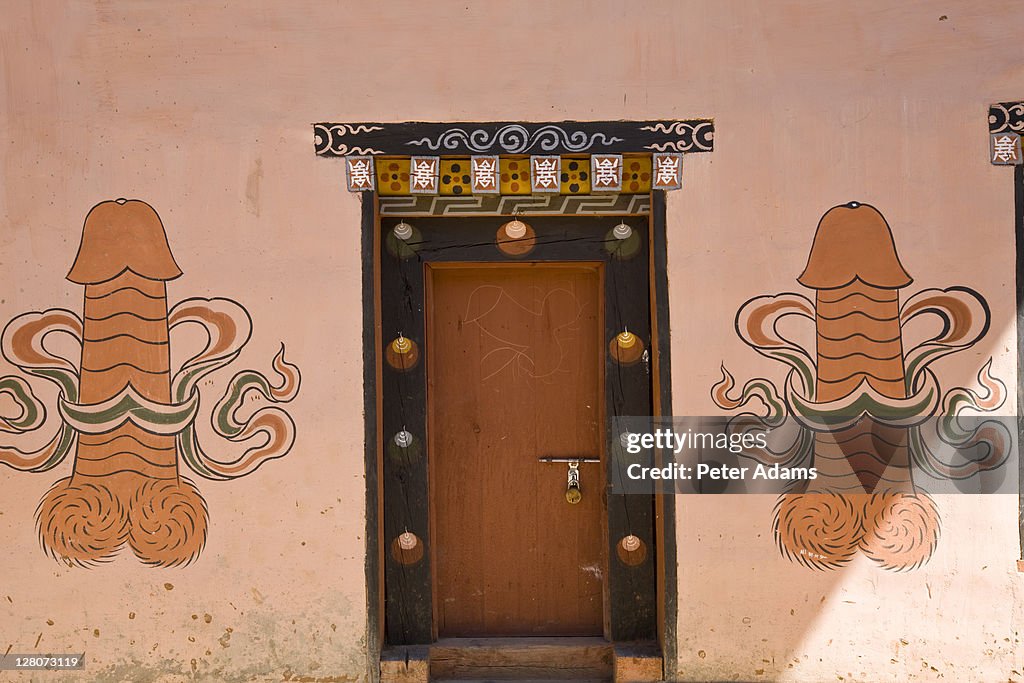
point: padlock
(573, 494)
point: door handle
(573, 493)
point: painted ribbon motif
(864, 402)
(123, 411)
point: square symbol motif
(606, 172)
(546, 172)
(1005, 148)
(423, 173)
(668, 171)
(359, 171)
(484, 175)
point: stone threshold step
(522, 659)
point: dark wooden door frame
(368, 141)
(1007, 119)
(1018, 233)
(374, 340)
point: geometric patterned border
(1006, 117)
(482, 205)
(506, 137)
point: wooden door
(515, 373)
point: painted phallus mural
(863, 401)
(123, 412)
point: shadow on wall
(123, 412)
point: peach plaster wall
(204, 112)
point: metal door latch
(573, 493)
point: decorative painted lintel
(505, 137)
(515, 174)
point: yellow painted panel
(515, 176)
(575, 176)
(392, 177)
(636, 174)
(455, 177)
